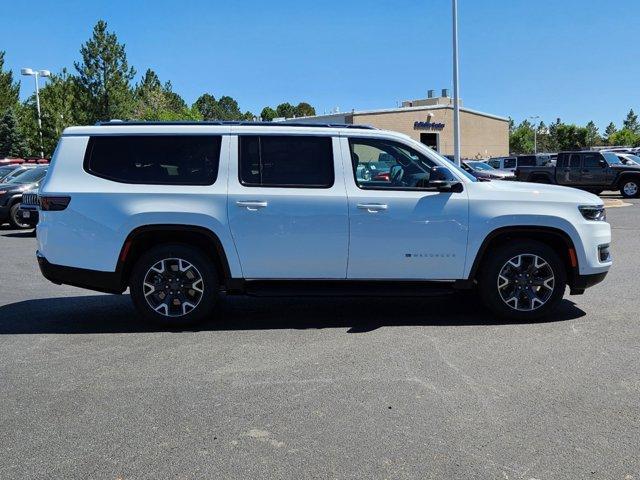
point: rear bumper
(108, 282)
(581, 282)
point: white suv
(181, 213)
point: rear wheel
(630, 188)
(14, 219)
(174, 285)
(523, 281)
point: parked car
(178, 213)
(6, 170)
(588, 170)
(11, 194)
(628, 158)
(482, 170)
(28, 210)
(13, 171)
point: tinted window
(286, 161)
(155, 159)
(591, 160)
(528, 161)
(509, 162)
(574, 161)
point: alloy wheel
(630, 189)
(526, 282)
(173, 287)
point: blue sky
(574, 59)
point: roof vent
(445, 92)
(430, 93)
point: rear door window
(155, 159)
(591, 160)
(509, 163)
(286, 161)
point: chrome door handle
(372, 207)
(252, 205)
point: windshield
(30, 176)
(611, 158)
(480, 166)
(633, 158)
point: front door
(287, 207)
(399, 227)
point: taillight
(54, 203)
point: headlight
(596, 213)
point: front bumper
(579, 283)
(107, 282)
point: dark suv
(588, 170)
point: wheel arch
(145, 237)
(624, 176)
(555, 237)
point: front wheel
(630, 189)
(174, 285)
(523, 281)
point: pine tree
(592, 134)
(631, 122)
(610, 130)
(12, 143)
(9, 89)
(104, 77)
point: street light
(535, 134)
(37, 73)
(456, 93)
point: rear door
(570, 171)
(287, 206)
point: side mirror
(602, 163)
(443, 180)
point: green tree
(59, 107)
(104, 77)
(625, 137)
(609, 131)
(631, 122)
(521, 139)
(268, 114)
(9, 89)
(207, 105)
(12, 143)
(303, 109)
(155, 101)
(285, 110)
(593, 136)
(229, 109)
(570, 137)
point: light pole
(535, 134)
(456, 93)
(37, 73)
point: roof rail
(118, 123)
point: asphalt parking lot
(320, 388)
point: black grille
(30, 199)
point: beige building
(430, 121)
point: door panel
(289, 233)
(400, 234)
(570, 173)
(593, 172)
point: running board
(338, 288)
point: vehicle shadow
(115, 314)
(20, 234)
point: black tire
(630, 188)
(14, 220)
(203, 267)
(492, 267)
(542, 179)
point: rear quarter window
(154, 159)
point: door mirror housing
(603, 163)
(443, 180)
